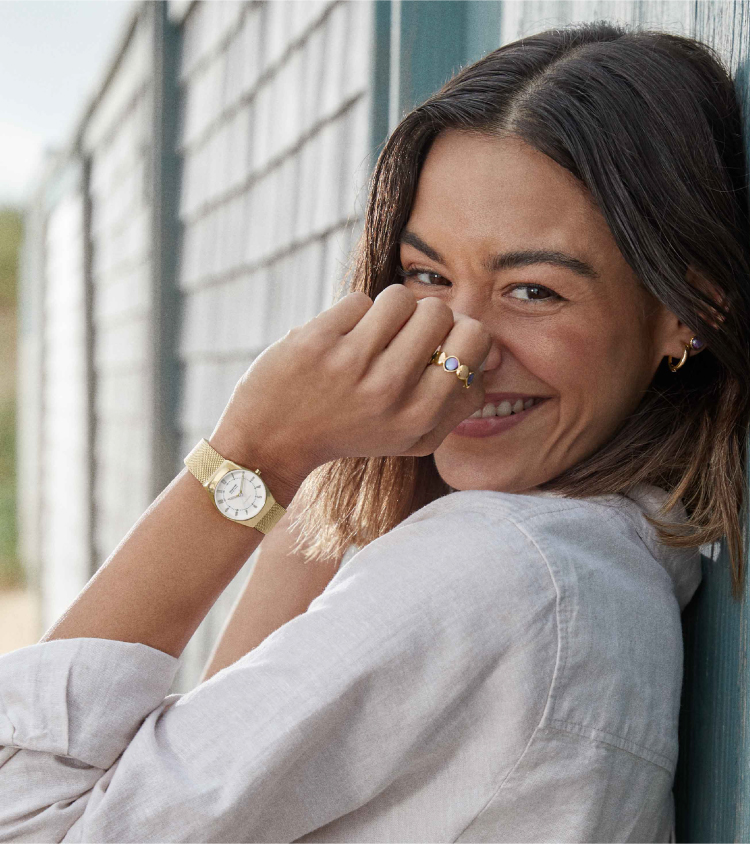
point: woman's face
(571, 324)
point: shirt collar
(682, 564)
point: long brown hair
(650, 123)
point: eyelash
(415, 272)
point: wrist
(280, 480)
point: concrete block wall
(530, 16)
(274, 145)
(29, 390)
(117, 137)
(65, 437)
(275, 149)
(53, 424)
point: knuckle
(398, 291)
(308, 338)
(361, 297)
(475, 331)
(397, 298)
(437, 310)
(377, 391)
(338, 363)
(307, 333)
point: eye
(423, 277)
(427, 278)
(552, 296)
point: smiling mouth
(485, 426)
(507, 407)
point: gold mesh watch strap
(203, 461)
(271, 517)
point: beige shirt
(499, 667)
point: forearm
(281, 586)
(167, 573)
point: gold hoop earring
(694, 343)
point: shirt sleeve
(313, 723)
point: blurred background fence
(207, 202)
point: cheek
(603, 371)
(563, 357)
(589, 367)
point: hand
(354, 381)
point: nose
(493, 359)
(472, 307)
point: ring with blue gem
(451, 363)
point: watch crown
(257, 471)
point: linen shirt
(499, 667)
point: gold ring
(451, 363)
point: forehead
(488, 191)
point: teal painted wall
(434, 39)
(711, 783)
(428, 42)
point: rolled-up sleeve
(312, 724)
(68, 708)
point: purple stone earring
(694, 344)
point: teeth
(503, 409)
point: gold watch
(238, 492)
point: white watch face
(240, 495)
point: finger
(439, 405)
(433, 324)
(440, 397)
(410, 350)
(391, 310)
(345, 314)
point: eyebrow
(511, 260)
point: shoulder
(537, 524)
(550, 523)
(502, 561)
(469, 552)
(531, 550)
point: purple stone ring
(450, 363)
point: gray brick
(304, 14)
(287, 186)
(263, 115)
(252, 48)
(356, 56)
(285, 93)
(307, 270)
(333, 67)
(275, 25)
(311, 83)
(309, 183)
(327, 210)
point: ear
(677, 334)
(714, 316)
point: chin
(461, 475)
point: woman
(557, 238)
